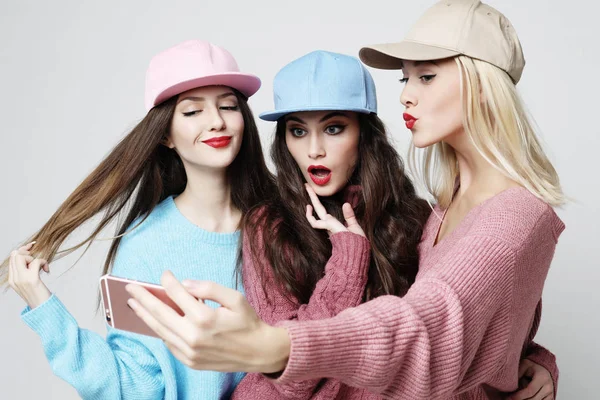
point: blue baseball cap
(322, 81)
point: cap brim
(247, 84)
(391, 55)
(276, 114)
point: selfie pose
(328, 134)
(475, 305)
(182, 181)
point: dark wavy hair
(389, 211)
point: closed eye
(230, 108)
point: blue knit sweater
(131, 366)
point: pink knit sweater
(459, 333)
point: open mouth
(319, 174)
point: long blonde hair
(501, 130)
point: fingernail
(132, 304)
(187, 284)
(167, 273)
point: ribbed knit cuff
(316, 347)
(546, 359)
(49, 320)
(351, 252)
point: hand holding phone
(117, 312)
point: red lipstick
(319, 174)
(218, 142)
(410, 120)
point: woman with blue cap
(328, 134)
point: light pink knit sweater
(459, 333)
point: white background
(72, 84)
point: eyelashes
(329, 130)
(195, 112)
(422, 78)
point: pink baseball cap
(192, 64)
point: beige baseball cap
(450, 28)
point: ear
(166, 141)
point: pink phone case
(117, 312)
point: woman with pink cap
(181, 182)
(475, 306)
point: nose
(408, 97)
(217, 123)
(316, 148)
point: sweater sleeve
(341, 287)
(120, 366)
(448, 334)
(539, 354)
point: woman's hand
(230, 338)
(328, 221)
(24, 276)
(540, 385)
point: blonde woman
(484, 255)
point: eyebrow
(325, 118)
(196, 98)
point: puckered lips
(410, 120)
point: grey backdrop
(72, 82)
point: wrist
(38, 296)
(279, 346)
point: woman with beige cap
(484, 255)
(180, 183)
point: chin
(224, 163)
(216, 163)
(421, 141)
(224, 159)
(325, 191)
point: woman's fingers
(351, 221)
(319, 209)
(315, 223)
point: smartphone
(117, 312)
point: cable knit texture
(460, 331)
(131, 366)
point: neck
(206, 200)
(478, 179)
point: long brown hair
(389, 211)
(137, 175)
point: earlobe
(167, 142)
